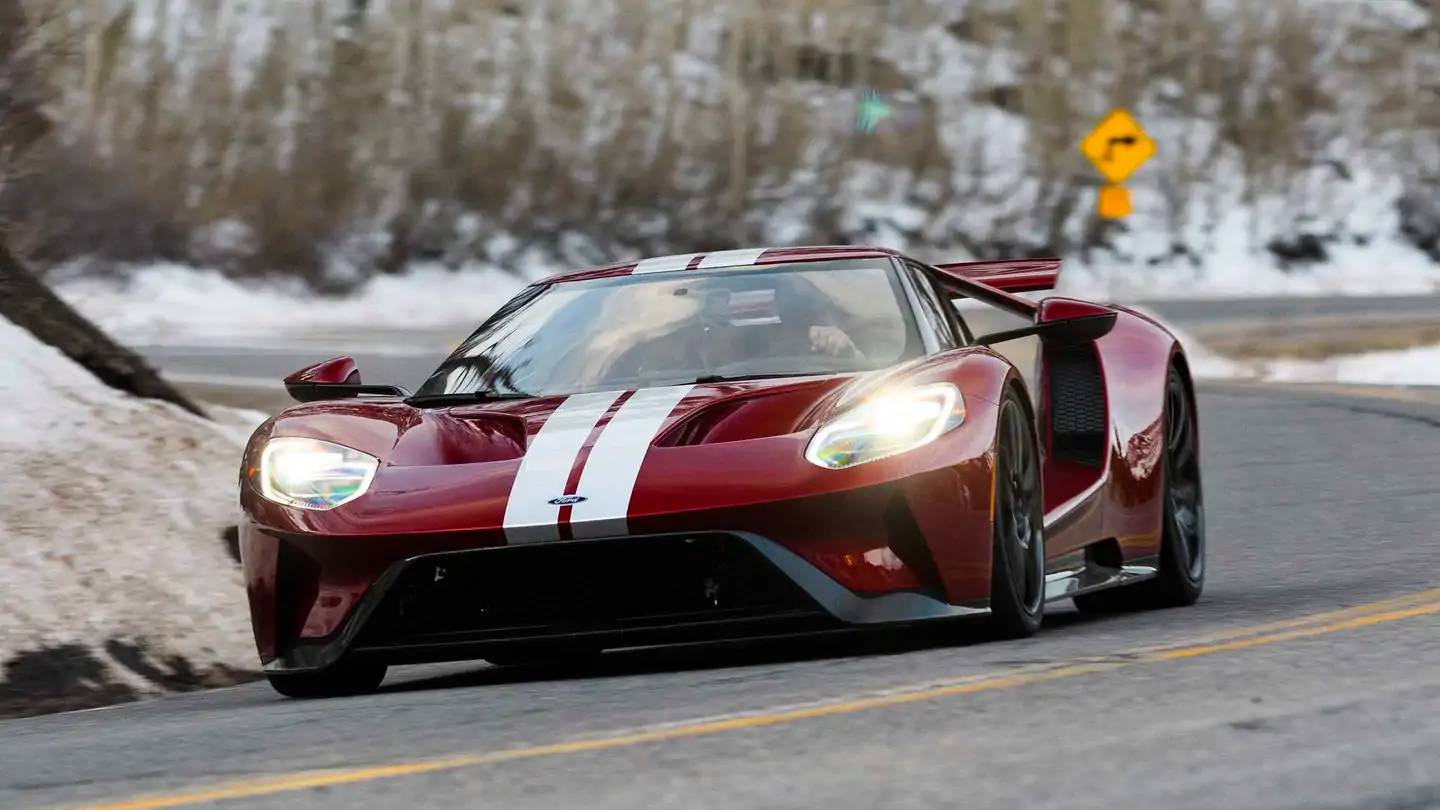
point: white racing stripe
(608, 480)
(545, 469)
(664, 264)
(731, 258)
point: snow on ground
(1419, 366)
(172, 304)
(1234, 270)
(110, 518)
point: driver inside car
(740, 325)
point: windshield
(670, 328)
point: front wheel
(336, 680)
(1017, 570)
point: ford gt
(725, 445)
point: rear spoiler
(997, 282)
(1009, 275)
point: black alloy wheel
(1017, 578)
(1184, 499)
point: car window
(675, 327)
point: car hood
(518, 465)
(585, 462)
(401, 435)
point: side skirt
(1091, 576)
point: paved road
(1318, 503)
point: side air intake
(1077, 404)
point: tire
(1017, 571)
(336, 680)
(1181, 576)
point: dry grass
(1325, 338)
(653, 125)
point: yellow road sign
(1118, 146)
(1114, 202)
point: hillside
(1299, 140)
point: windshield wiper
(467, 398)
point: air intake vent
(1077, 404)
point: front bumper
(895, 549)
(615, 592)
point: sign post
(1117, 146)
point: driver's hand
(832, 341)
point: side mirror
(1062, 322)
(334, 379)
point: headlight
(887, 424)
(313, 474)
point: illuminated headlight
(313, 474)
(887, 424)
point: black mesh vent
(1077, 405)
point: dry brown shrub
(439, 125)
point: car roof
(744, 257)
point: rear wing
(1009, 275)
(997, 282)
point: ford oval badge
(566, 500)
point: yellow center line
(1326, 617)
(1332, 622)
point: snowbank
(1419, 366)
(171, 303)
(110, 515)
(1383, 265)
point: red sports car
(721, 445)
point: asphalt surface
(1318, 502)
